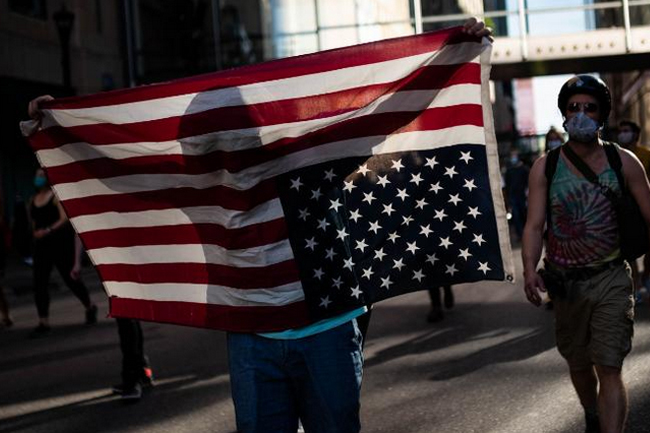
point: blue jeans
(316, 378)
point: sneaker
(91, 315)
(147, 377)
(133, 393)
(40, 331)
(128, 392)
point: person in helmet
(588, 281)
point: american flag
(271, 196)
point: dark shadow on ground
(471, 322)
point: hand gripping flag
(271, 196)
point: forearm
(78, 248)
(531, 250)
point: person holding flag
(310, 373)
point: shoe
(40, 331)
(91, 315)
(435, 315)
(128, 392)
(147, 377)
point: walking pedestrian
(516, 181)
(55, 245)
(628, 137)
(584, 273)
(436, 313)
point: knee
(609, 375)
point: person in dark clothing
(5, 317)
(55, 245)
(136, 371)
(516, 192)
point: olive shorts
(594, 323)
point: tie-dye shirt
(583, 229)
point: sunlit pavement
(489, 366)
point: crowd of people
(281, 378)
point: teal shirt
(316, 328)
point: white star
(445, 242)
(454, 199)
(469, 184)
(337, 282)
(418, 275)
(431, 258)
(466, 157)
(399, 264)
(322, 224)
(459, 225)
(388, 209)
(451, 270)
(348, 263)
(311, 244)
(356, 292)
(416, 179)
(374, 227)
(379, 254)
(316, 194)
(329, 174)
(355, 215)
(401, 193)
(478, 239)
(367, 273)
(329, 254)
(450, 171)
(412, 247)
(349, 186)
(304, 213)
(369, 197)
(435, 187)
(318, 273)
(295, 184)
(363, 169)
(325, 302)
(335, 204)
(440, 214)
(425, 230)
(465, 253)
(397, 165)
(473, 211)
(341, 234)
(393, 237)
(431, 162)
(361, 245)
(406, 220)
(484, 267)
(383, 181)
(386, 282)
(420, 204)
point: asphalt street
(490, 366)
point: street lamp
(64, 20)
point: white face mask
(625, 137)
(554, 144)
(581, 128)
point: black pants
(58, 251)
(132, 346)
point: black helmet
(590, 85)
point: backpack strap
(614, 160)
(549, 170)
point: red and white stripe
(171, 186)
